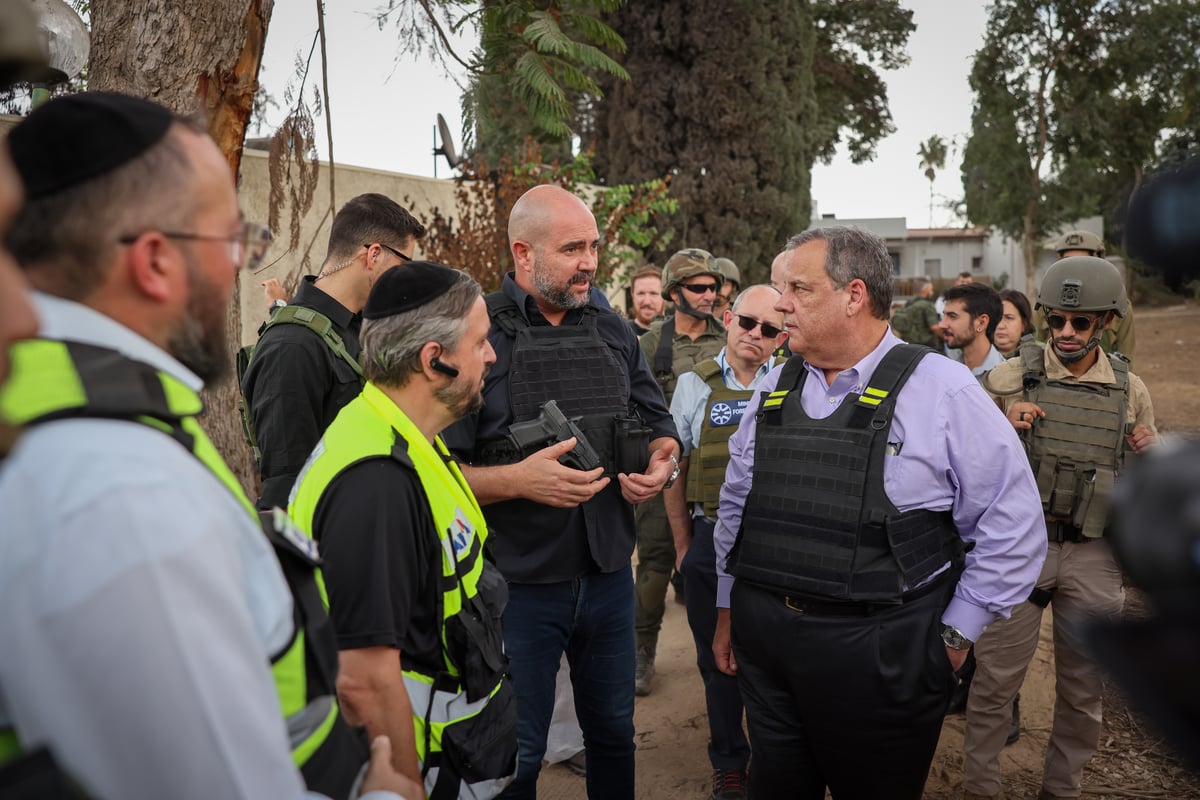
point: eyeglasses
(700, 288)
(393, 251)
(750, 323)
(246, 247)
(1080, 323)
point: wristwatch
(674, 473)
(954, 638)
(278, 304)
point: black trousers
(727, 745)
(852, 703)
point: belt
(825, 607)
(1058, 531)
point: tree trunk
(1029, 251)
(199, 56)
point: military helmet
(689, 263)
(1083, 283)
(730, 271)
(1080, 240)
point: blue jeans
(591, 619)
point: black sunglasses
(750, 323)
(699, 288)
(1081, 323)
(391, 250)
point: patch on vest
(723, 413)
(461, 533)
(289, 530)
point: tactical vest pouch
(1063, 477)
(479, 750)
(631, 445)
(1094, 500)
(473, 636)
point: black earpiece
(445, 369)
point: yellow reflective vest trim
(372, 426)
(46, 380)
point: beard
(460, 398)
(559, 296)
(199, 342)
(960, 342)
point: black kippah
(75, 138)
(409, 286)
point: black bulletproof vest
(817, 521)
(595, 387)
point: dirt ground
(672, 731)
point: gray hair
(392, 345)
(854, 254)
(72, 235)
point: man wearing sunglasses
(143, 612)
(305, 367)
(692, 280)
(708, 405)
(1120, 336)
(1080, 412)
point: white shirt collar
(66, 320)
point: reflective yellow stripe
(869, 401)
(304, 751)
(880, 393)
(447, 709)
(774, 399)
(36, 364)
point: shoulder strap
(664, 359)
(874, 406)
(791, 379)
(1120, 368)
(505, 314)
(710, 372)
(316, 322)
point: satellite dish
(447, 148)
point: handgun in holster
(551, 426)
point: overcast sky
(384, 109)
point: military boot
(645, 671)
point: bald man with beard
(563, 537)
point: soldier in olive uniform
(691, 280)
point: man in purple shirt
(878, 513)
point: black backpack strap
(875, 405)
(505, 314)
(319, 324)
(791, 379)
(664, 358)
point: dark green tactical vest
(722, 414)
(817, 521)
(1078, 448)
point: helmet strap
(683, 305)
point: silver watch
(674, 473)
(954, 638)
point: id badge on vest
(724, 413)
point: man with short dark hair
(875, 517)
(172, 656)
(562, 535)
(299, 379)
(388, 508)
(969, 323)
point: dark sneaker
(577, 763)
(644, 673)
(1014, 732)
(728, 784)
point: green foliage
(1074, 101)
(855, 38)
(537, 63)
(473, 235)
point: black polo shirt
(294, 387)
(535, 543)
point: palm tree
(933, 157)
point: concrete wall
(418, 194)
